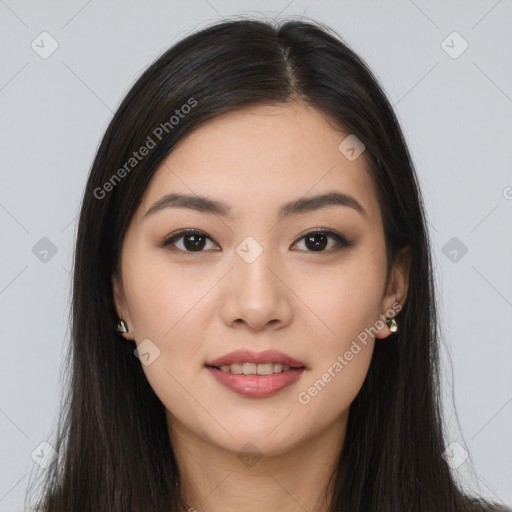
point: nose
(256, 295)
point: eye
(317, 240)
(193, 241)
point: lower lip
(257, 386)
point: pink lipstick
(256, 375)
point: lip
(247, 356)
(256, 386)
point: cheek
(341, 301)
(161, 295)
(341, 347)
(346, 301)
(166, 307)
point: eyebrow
(298, 206)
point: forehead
(262, 156)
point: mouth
(256, 375)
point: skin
(197, 306)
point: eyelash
(340, 239)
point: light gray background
(455, 113)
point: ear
(396, 290)
(121, 307)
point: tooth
(236, 368)
(265, 369)
(254, 368)
(249, 368)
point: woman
(253, 319)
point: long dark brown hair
(114, 452)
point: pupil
(188, 241)
(316, 245)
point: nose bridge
(256, 294)
(255, 266)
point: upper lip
(247, 356)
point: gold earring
(121, 326)
(392, 324)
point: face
(253, 275)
